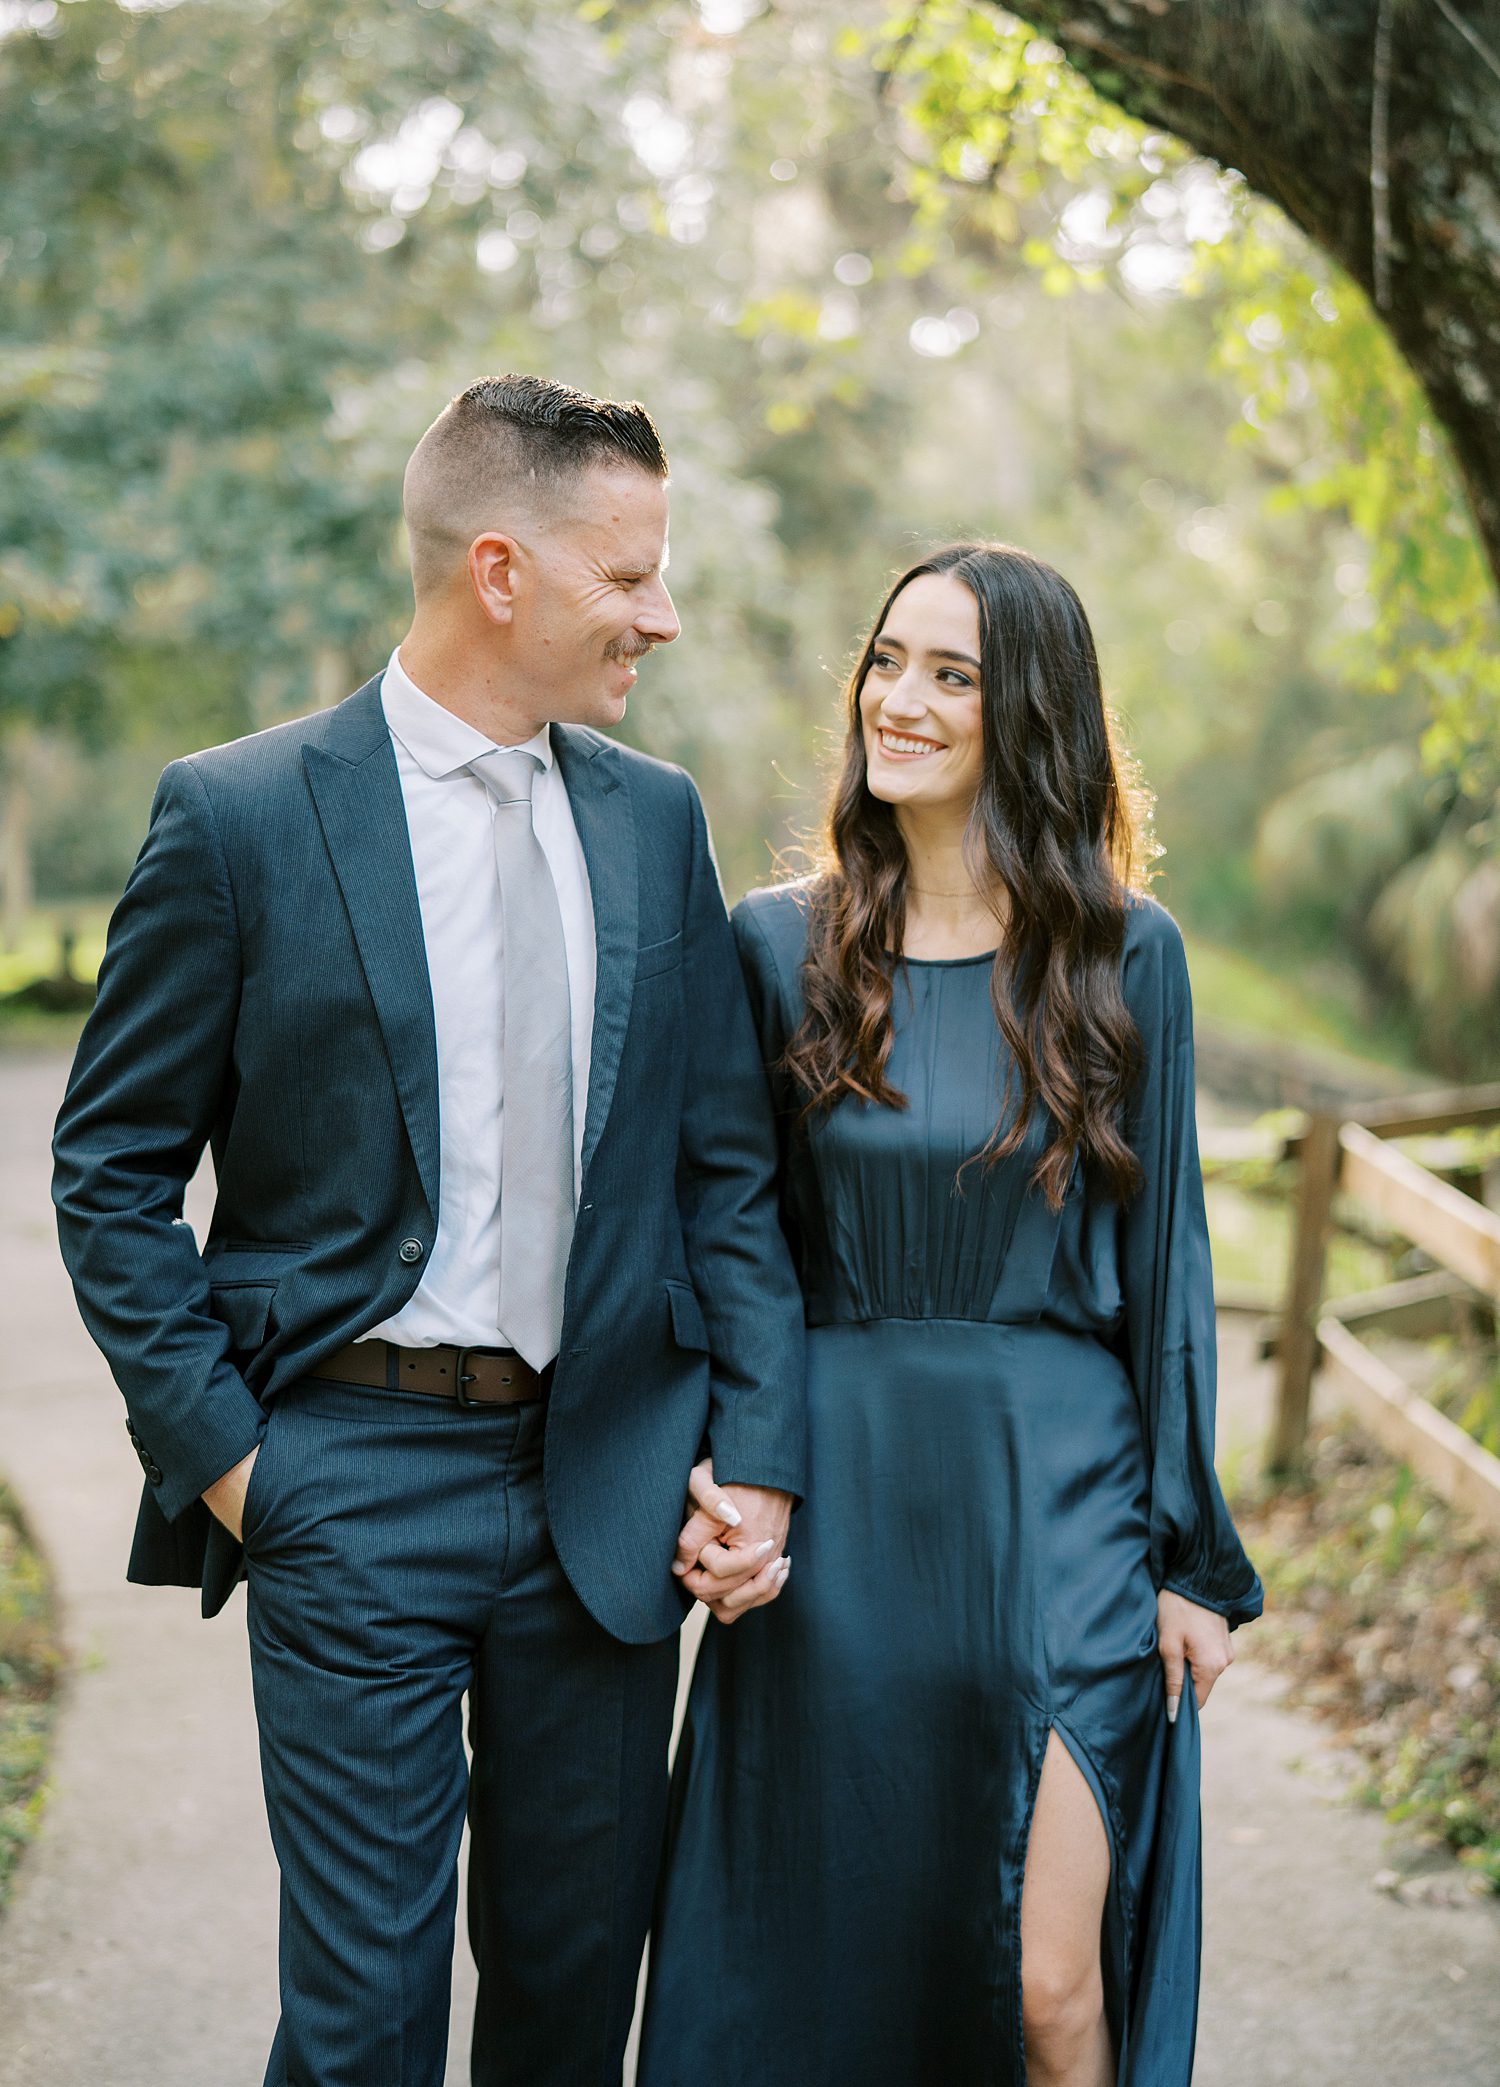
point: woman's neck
(947, 913)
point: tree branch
(1394, 170)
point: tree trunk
(1375, 125)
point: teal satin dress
(1011, 1418)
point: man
(494, 1275)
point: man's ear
(493, 559)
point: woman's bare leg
(1062, 1910)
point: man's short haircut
(509, 443)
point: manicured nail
(761, 1549)
(786, 1566)
(1172, 1703)
(728, 1512)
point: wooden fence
(1351, 1155)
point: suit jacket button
(153, 1472)
(410, 1251)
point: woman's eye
(954, 674)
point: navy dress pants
(398, 1556)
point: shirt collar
(440, 743)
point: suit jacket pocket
(688, 1327)
(659, 956)
(245, 1308)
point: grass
(1237, 991)
(36, 953)
(28, 1029)
(36, 956)
(31, 1667)
(1250, 1221)
(1466, 1387)
(1383, 1608)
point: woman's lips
(907, 746)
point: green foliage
(31, 1666)
(989, 98)
(1324, 384)
(246, 250)
(1381, 1606)
(1466, 1386)
(1341, 430)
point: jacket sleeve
(758, 968)
(727, 1198)
(1167, 1282)
(151, 1071)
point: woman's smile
(907, 746)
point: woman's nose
(903, 701)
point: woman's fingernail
(1172, 1703)
(761, 1549)
(786, 1566)
(728, 1512)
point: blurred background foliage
(881, 279)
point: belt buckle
(461, 1377)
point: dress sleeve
(1167, 1284)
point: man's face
(591, 598)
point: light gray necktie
(536, 1158)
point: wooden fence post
(1297, 1348)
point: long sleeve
(727, 1193)
(146, 1086)
(1167, 1283)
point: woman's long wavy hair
(1058, 828)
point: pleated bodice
(898, 1216)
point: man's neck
(473, 689)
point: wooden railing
(1351, 1156)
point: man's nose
(658, 620)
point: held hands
(1184, 1632)
(732, 1550)
(225, 1498)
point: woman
(935, 1813)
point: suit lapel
(600, 799)
(357, 790)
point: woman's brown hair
(1057, 827)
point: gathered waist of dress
(817, 1321)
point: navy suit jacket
(265, 992)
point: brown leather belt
(473, 1376)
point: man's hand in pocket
(225, 1498)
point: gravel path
(140, 1948)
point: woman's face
(920, 705)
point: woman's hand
(1184, 1632)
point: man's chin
(608, 710)
(602, 712)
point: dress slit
(1117, 1926)
(1115, 1923)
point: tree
(1376, 128)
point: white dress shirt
(450, 818)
